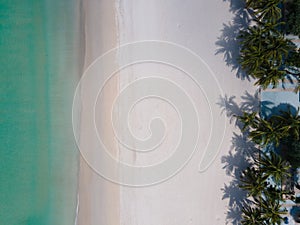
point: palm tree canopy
(271, 210)
(263, 52)
(265, 10)
(273, 165)
(251, 216)
(271, 130)
(253, 181)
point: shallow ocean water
(39, 70)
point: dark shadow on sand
(240, 154)
(228, 42)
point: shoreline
(98, 201)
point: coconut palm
(263, 48)
(268, 74)
(251, 54)
(251, 216)
(271, 130)
(265, 10)
(276, 48)
(251, 59)
(275, 192)
(262, 131)
(258, 4)
(254, 35)
(275, 28)
(289, 122)
(269, 11)
(271, 210)
(262, 54)
(254, 4)
(273, 165)
(267, 133)
(249, 120)
(253, 181)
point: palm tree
(263, 50)
(269, 74)
(251, 59)
(271, 210)
(270, 11)
(277, 48)
(273, 165)
(265, 10)
(257, 4)
(290, 123)
(253, 181)
(262, 131)
(251, 53)
(254, 35)
(251, 216)
(249, 120)
(275, 192)
(267, 133)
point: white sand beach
(98, 198)
(190, 197)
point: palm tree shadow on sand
(239, 156)
(228, 42)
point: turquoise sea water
(38, 73)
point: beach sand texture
(190, 197)
(98, 198)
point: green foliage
(267, 56)
(267, 133)
(251, 216)
(269, 75)
(293, 17)
(293, 58)
(249, 120)
(262, 45)
(253, 181)
(289, 122)
(266, 207)
(261, 131)
(291, 151)
(271, 130)
(283, 129)
(273, 166)
(265, 10)
(271, 210)
(265, 51)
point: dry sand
(189, 197)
